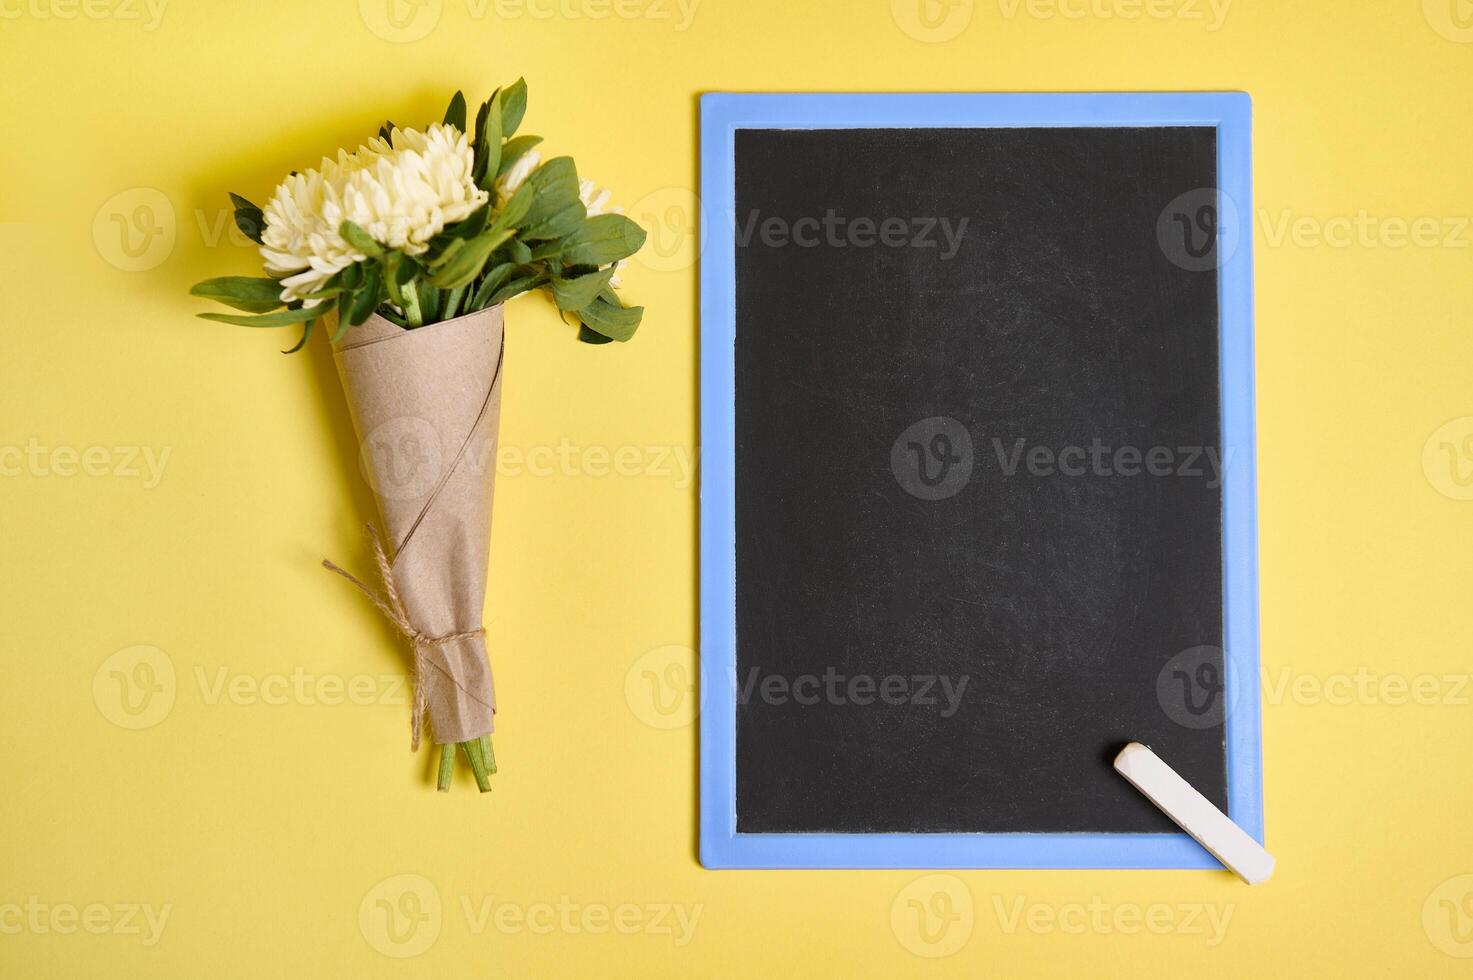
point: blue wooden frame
(721, 115)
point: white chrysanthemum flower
(595, 201)
(300, 243)
(507, 183)
(410, 190)
(402, 192)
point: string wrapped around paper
(426, 404)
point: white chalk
(1194, 813)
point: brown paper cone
(426, 404)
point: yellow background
(266, 828)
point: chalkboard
(981, 467)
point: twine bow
(392, 607)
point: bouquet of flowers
(406, 250)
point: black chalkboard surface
(977, 469)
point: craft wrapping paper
(426, 404)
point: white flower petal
(402, 192)
(512, 179)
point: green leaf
(241, 292)
(452, 302)
(572, 295)
(554, 188)
(606, 316)
(515, 211)
(366, 299)
(429, 302)
(602, 239)
(478, 142)
(592, 337)
(445, 253)
(556, 210)
(472, 225)
(408, 269)
(493, 280)
(455, 113)
(360, 240)
(446, 245)
(516, 288)
(392, 263)
(488, 148)
(248, 218)
(306, 333)
(556, 225)
(519, 252)
(342, 327)
(513, 106)
(558, 175)
(281, 318)
(467, 262)
(480, 126)
(513, 150)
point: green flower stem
(411, 307)
(478, 764)
(477, 753)
(447, 766)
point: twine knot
(392, 606)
